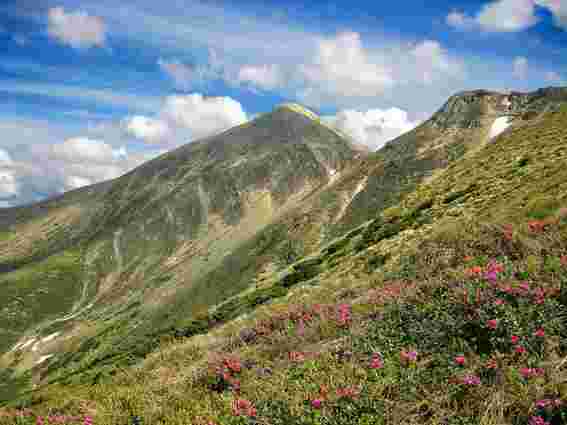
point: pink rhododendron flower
(471, 380)
(344, 314)
(243, 407)
(316, 404)
(538, 420)
(460, 360)
(376, 362)
(520, 349)
(348, 392)
(499, 301)
(408, 356)
(492, 323)
(539, 333)
(515, 339)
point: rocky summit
(276, 273)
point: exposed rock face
(469, 109)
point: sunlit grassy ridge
(468, 274)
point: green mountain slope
(348, 267)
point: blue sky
(90, 89)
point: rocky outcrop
(469, 109)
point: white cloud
(509, 15)
(433, 62)
(99, 97)
(553, 77)
(343, 67)
(187, 76)
(203, 116)
(460, 20)
(74, 182)
(5, 158)
(76, 29)
(149, 129)
(8, 184)
(374, 127)
(267, 77)
(520, 67)
(82, 149)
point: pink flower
(376, 362)
(408, 356)
(471, 380)
(540, 333)
(460, 360)
(88, 420)
(520, 349)
(527, 372)
(538, 420)
(524, 286)
(515, 339)
(492, 323)
(39, 420)
(316, 404)
(542, 404)
(344, 314)
(499, 302)
(243, 407)
(349, 392)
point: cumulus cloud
(82, 149)
(74, 182)
(520, 67)
(76, 29)
(8, 184)
(343, 72)
(267, 77)
(432, 61)
(148, 129)
(509, 15)
(203, 116)
(372, 128)
(343, 67)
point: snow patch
(499, 125)
(50, 337)
(43, 358)
(358, 189)
(28, 343)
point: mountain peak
(300, 109)
(467, 109)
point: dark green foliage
(376, 261)
(460, 193)
(301, 271)
(406, 269)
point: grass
(448, 308)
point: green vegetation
(445, 302)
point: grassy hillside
(447, 308)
